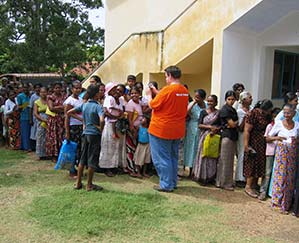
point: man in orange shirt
(169, 110)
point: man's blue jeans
(165, 154)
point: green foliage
(42, 35)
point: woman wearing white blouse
(286, 133)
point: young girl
(135, 115)
(112, 107)
(142, 156)
(270, 152)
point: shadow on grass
(118, 179)
(213, 193)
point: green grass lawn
(38, 204)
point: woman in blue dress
(192, 131)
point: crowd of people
(121, 128)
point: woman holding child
(112, 150)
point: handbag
(67, 155)
(211, 146)
(122, 125)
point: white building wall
(124, 17)
(249, 57)
(238, 61)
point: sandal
(94, 188)
(78, 187)
(251, 194)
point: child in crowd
(131, 80)
(134, 109)
(142, 155)
(270, 153)
(93, 120)
(111, 106)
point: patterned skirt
(131, 144)
(204, 169)
(284, 176)
(14, 130)
(41, 134)
(55, 131)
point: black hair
(122, 86)
(174, 71)
(292, 107)
(75, 83)
(202, 93)
(264, 104)
(96, 78)
(236, 86)
(230, 93)
(131, 77)
(215, 98)
(44, 87)
(138, 83)
(289, 97)
(37, 84)
(58, 83)
(135, 89)
(92, 90)
(154, 83)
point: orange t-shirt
(169, 112)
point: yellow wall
(201, 25)
(136, 56)
(124, 17)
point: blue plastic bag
(67, 155)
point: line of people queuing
(110, 124)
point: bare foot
(115, 136)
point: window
(285, 73)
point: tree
(42, 35)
